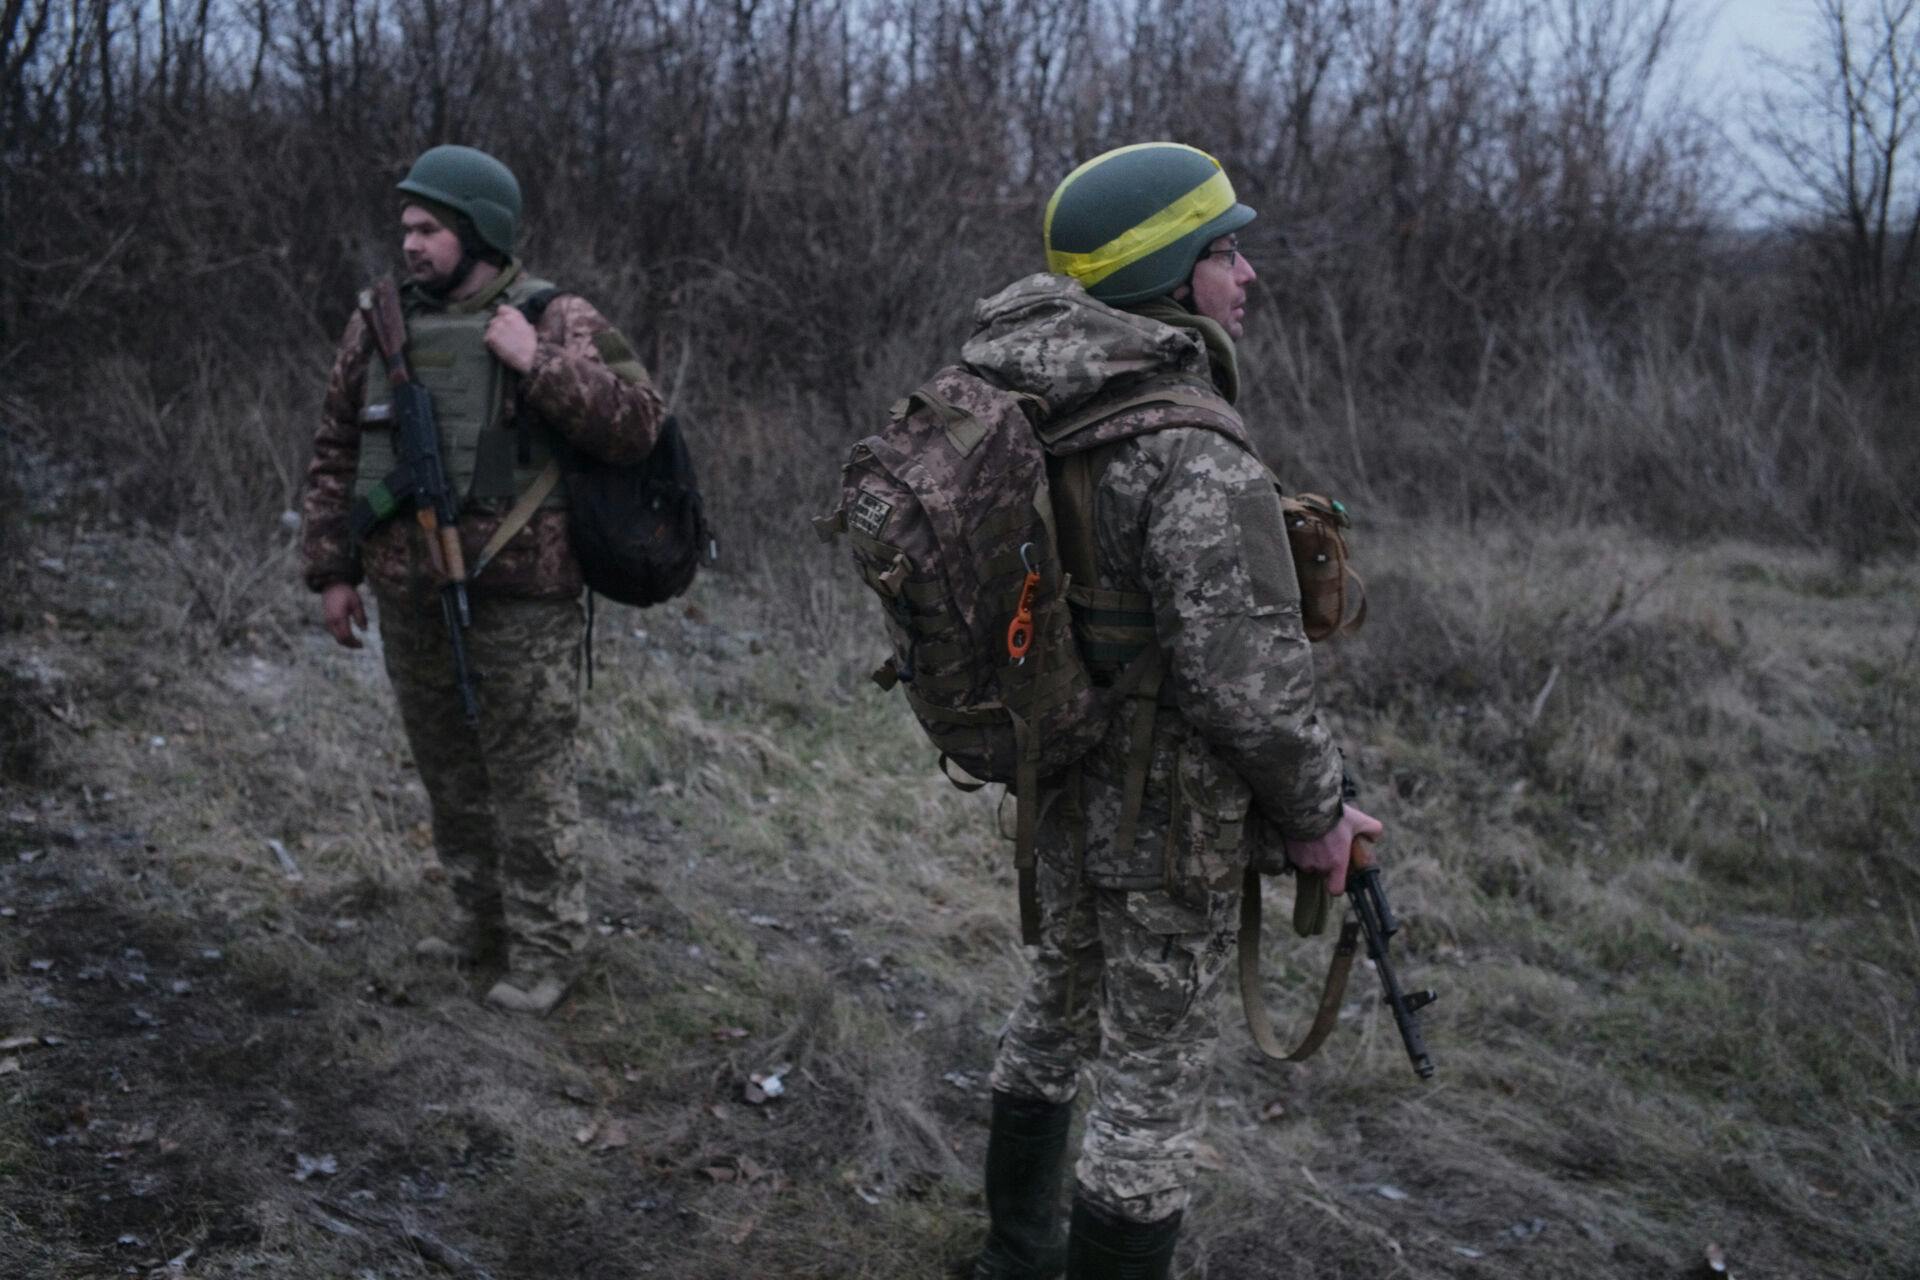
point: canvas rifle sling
(1259, 1025)
(518, 515)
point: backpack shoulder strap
(530, 297)
(1075, 479)
(1204, 406)
(1112, 628)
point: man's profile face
(432, 250)
(1218, 289)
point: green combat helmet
(1130, 224)
(473, 183)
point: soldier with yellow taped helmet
(516, 371)
(1129, 338)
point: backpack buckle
(896, 575)
(831, 525)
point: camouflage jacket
(1186, 513)
(571, 388)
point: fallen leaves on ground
(604, 1135)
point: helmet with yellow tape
(1131, 223)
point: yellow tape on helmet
(1195, 209)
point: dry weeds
(1652, 821)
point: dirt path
(223, 1059)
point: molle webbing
(1113, 628)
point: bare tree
(1843, 123)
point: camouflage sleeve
(587, 382)
(1227, 607)
(327, 552)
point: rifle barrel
(453, 604)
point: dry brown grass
(1652, 819)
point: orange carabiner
(1020, 630)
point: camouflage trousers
(1124, 984)
(506, 810)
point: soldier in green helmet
(518, 371)
(1141, 850)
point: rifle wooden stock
(453, 558)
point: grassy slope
(1670, 905)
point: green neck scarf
(1220, 349)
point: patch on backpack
(869, 514)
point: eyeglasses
(1231, 253)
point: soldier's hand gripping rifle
(1372, 916)
(420, 478)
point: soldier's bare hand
(341, 609)
(1332, 853)
(511, 339)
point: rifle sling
(1335, 990)
(518, 515)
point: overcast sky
(1738, 38)
(1779, 27)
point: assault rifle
(1372, 916)
(419, 479)
(1375, 919)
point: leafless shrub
(1843, 122)
(1497, 227)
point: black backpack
(639, 531)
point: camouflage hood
(1046, 336)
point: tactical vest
(489, 456)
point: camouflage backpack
(969, 514)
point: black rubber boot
(1104, 1246)
(1025, 1151)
